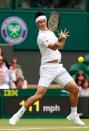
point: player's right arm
(61, 41)
(58, 45)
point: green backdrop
(76, 22)
(55, 104)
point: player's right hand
(63, 35)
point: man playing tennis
(51, 70)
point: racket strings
(53, 21)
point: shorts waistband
(53, 61)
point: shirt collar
(43, 31)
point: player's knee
(39, 96)
(75, 90)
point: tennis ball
(80, 59)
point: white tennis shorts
(50, 72)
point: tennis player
(51, 69)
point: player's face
(42, 24)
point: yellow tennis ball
(80, 59)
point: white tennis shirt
(43, 40)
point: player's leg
(47, 75)
(73, 89)
(67, 81)
(73, 116)
(37, 96)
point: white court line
(45, 128)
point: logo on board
(14, 30)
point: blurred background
(74, 17)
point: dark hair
(14, 59)
(84, 82)
(39, 14)
(19, 79)
(80, 72)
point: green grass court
(43, 125)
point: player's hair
(39, 14)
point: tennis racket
(54, 25)
(54, 22)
